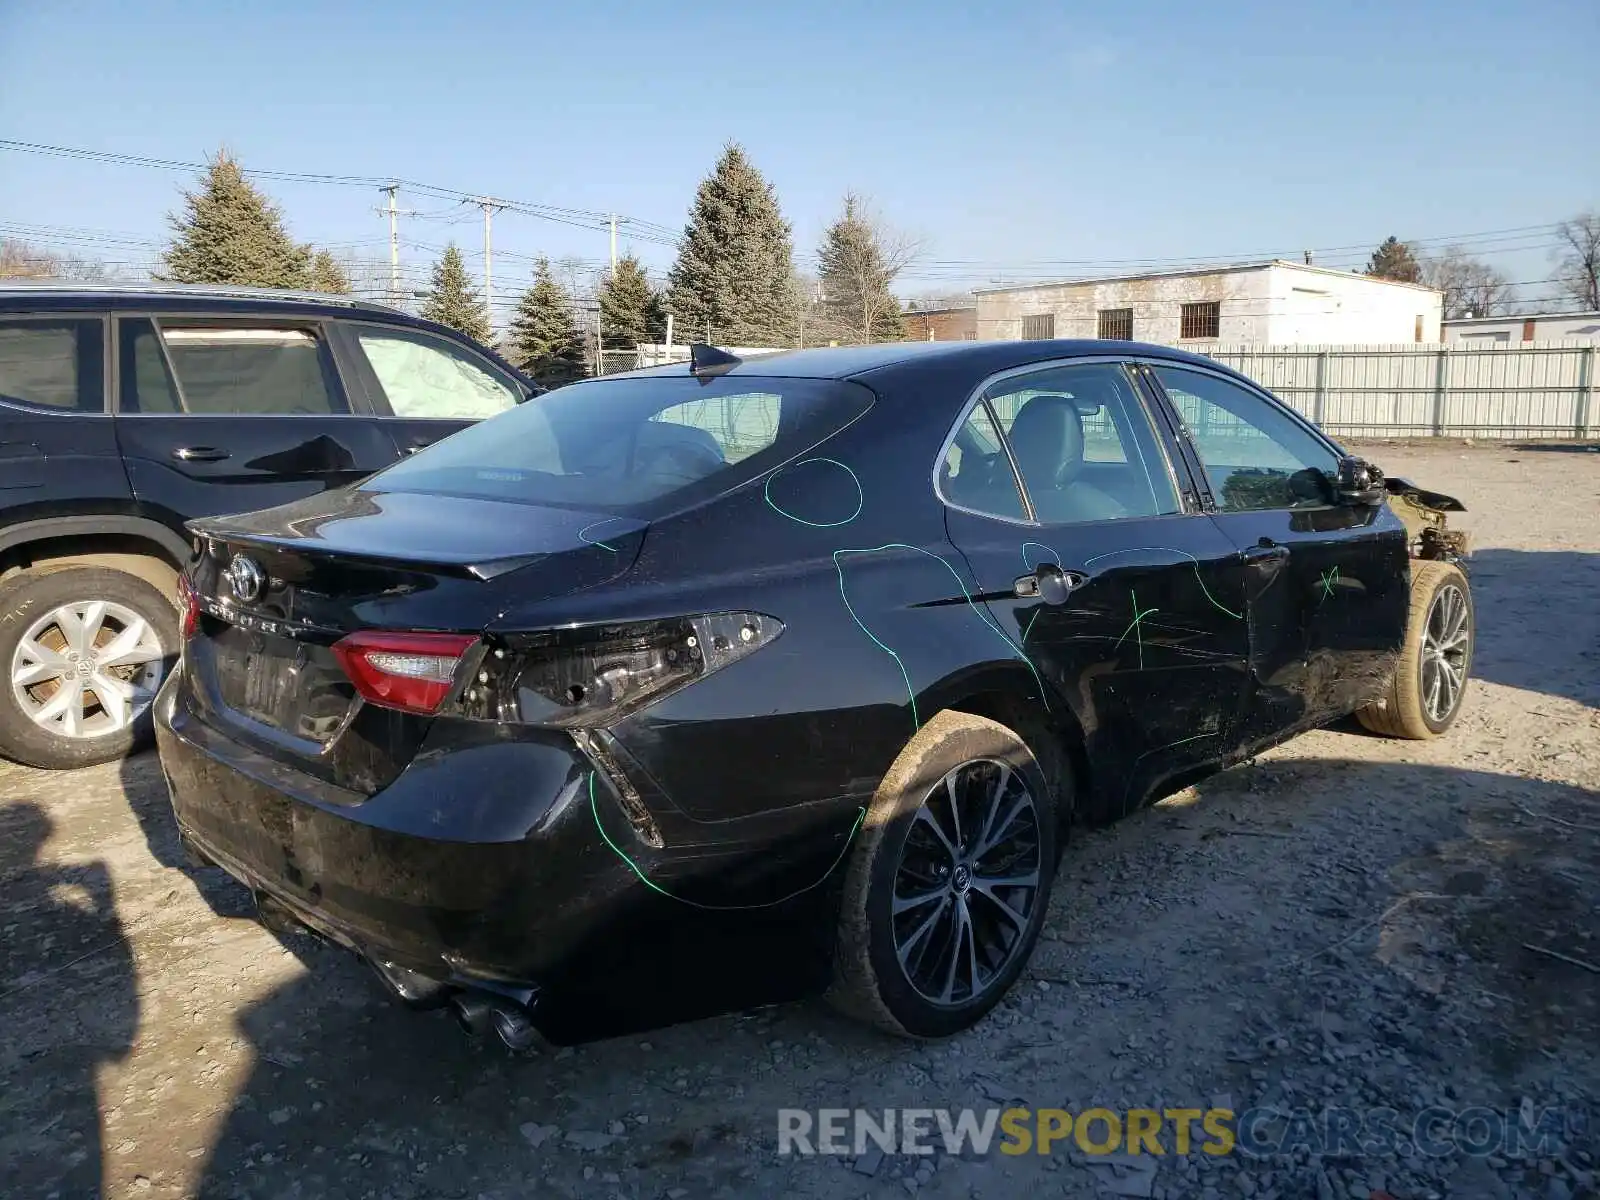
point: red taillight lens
(188, 608)
(413, 672)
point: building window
(1039, 327)
(1116, 324)
(1202, 320)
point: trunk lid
(276, 589)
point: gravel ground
(1345, 922)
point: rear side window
(636, 446)
(1084, 444)
(427, 378)
(53, 364)
(212, 368)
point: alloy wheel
(87, 669)
(1446, 643)
(967, 882)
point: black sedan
(745, 678)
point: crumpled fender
(1404, 487)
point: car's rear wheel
(83, 650)
(1430, 681)
(948, 885)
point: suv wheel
(948, 885)
(83, 650)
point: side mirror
(1359, 482)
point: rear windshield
(635, 446)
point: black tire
(26, 598)
(869, 982)
(1404, 710)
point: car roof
(848, 362)
(32, 295)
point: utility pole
(613, 245)
(394, 246)
(394, 214)
(490, 206)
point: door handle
(199, 454)
(1266, 550)
(1049, 583)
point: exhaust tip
(473, 1013)
(516, 1030)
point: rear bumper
(500, 856)
(485, 865)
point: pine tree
(452, 300)
(630, 309)
(231, 233)
(1394, 259)
(855, 269)
(326, 275)
(544, 341)
(735, 269)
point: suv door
(1062, 495)
(57, 452)
(1329, 583)
(221, 415)
(426, 386)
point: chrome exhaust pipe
(473, 1013)
(515, 1028)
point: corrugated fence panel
(1535, 389)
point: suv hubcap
(1445, 643)
(86, 669)
(967, 883)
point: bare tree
(1471, 287)
(21, 260)
(860, 256)
(1578, 259)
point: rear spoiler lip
(1397, 486)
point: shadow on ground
(408, 1108)
(62, 935)
(1538, 615)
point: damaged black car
(741, 680)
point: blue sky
(1014, 138)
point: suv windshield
(635, 445)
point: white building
(1535, 327)
(1273, 302)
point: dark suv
(124, 412)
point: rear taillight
(590, 677)
(188, 608)
(413, 672)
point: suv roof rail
(220, 290)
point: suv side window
(1084, 444)
(54, 364)
(1255, 457)
(425, 377)
(217, 367)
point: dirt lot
(1345, 922)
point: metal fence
(1533, 390)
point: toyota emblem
(245, 578)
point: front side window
(976, 474)
(254, 370)
(1084, 444)
(428, 378)
(1255, 456)
(636, 446)
(55, 364)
